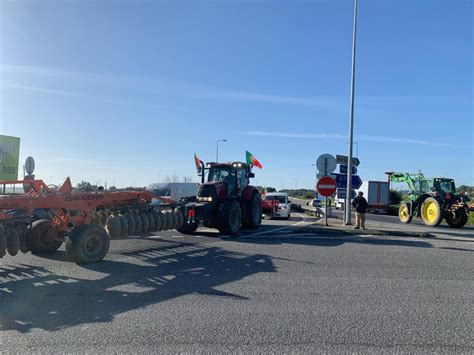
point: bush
(393, 210)
(395, 197)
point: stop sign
(326, 186)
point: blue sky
(126, 92)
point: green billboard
(9, 157)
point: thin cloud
(167, 87)
(342, 136)
(41, 90)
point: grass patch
(470, 221)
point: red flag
(197, 161)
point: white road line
(279, 229)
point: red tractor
(226, 201)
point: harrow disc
(151, 221)
(131, 223)
(167, 221)
(3, 243)
(12, 241)
(179, 218)
(138, 223)
(113, 226)
(156, 217)
(145, 224)
(163, 221)
(123, 225)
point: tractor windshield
(219, 173)
(444, 186)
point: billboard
(9, 157)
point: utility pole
(351, 123)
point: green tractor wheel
(404, 213)
(431, 212)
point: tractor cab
(235, 176)
(444, 186)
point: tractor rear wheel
(431, 212)
(254, 212)
(87, 243)
(404, 213)
(41, 240)
(188, 228)
(458, 219)
(229, 217)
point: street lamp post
(351, 123)
(217, 148)
(282, 184)
(296, 183)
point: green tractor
(432, 199)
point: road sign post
(326, 186)
(326, 164)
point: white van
(284, 204)
(172, 190)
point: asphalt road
(279, 289)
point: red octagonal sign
(326, 186)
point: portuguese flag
(197, 161)
(251, 160)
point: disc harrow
(41, 219)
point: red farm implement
(41, 218)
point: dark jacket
(360, 204)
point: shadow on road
(330, 241)
(34, 297)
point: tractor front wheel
(254, 212)
(229, 217)
(87, 243)
(431, 212)
(457, 219)
(404, 213)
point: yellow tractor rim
(430, 211)
(403, 213)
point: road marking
(279, 229)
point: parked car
(315, 202)
(284, 204)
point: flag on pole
(197, 161)
(251, 160)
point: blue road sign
(343, 169)
(341, 193)
(341, 181)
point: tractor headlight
(205, 199)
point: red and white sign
(326, 186)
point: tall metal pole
(217, 149)
(351, 123)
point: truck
(377, 195)
(172, 191)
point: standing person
(463, 197)
(360, 204)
